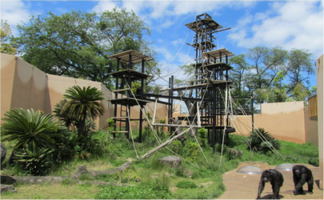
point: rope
(130, 130)
(155, 135)
(178, 51)
(260, 135)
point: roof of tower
(208, 22)
(136, 56)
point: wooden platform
(209, 22)
(131, 101)
(223, 52)
(137, 57)
(135, 75)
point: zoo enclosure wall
(25, 86)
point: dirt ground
(245, 186)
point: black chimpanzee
(301, 175)
(275, 178)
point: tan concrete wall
(284, 121)
(29, 86)
(57, 86)
(311, 130)
(320, 96)
(8, 64)
(25, 86)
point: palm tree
(82, 103)
(30, 127)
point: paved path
(245, 186)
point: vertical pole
(128, 125)
(252, 110)
(226, 59)
(116, 96)
(142, 97)
(214, 118)
(169, 105)
(171, 96)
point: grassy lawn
(148, 178)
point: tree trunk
(163, 144)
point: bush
(176, 146)
(191, 151)
(34, 160)
(202, 137)
(264, 144)
(186, 184)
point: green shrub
(186, 184)
(161, 184)
(202, 133)
(180, 171)
(314, 161)
(191, 151)
(34, 160)
(29, 126)
(176, 146)
(263, 145)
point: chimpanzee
(275, 178)
(301, 175)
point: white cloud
(166, 10)
(15, 12)
(104, 5)
(290, 25)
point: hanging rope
(130, 130)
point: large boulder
(3, 152)
(171, 161)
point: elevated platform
(219, 66)
(219, 53)
(137, 57)
(202, 45)
(209, 23)
(135, 75)
(129, 101)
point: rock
(9, 188)
(81, 170)
(172, 161)
(3, 152)
(7, 180)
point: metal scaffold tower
(210, 86)
(212, 69)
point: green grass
(148, 178)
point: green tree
(6, 40)
(82, 103)
(78, 44)
(299, 68)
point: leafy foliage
(186, 184)
(82, 103)
(78, 44)
(34, 160)
(30, 127)
(263, 141)
(7, 44)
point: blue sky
(289, 24)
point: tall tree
(266, 63)
(82, 103)
(299, 68)
(7, 44)
(78, 44)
